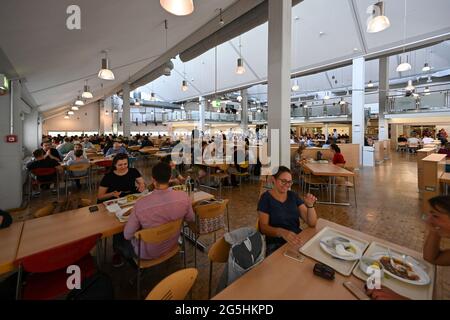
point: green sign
(4, 82)
(216, 103)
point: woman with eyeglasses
(280, 211)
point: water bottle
(188, 185)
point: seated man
(87, 145)
(115, 149)
(41, 161)
(162, 206)
(79, 158)
(438, 223)
(65, 147)
(51, 152)
(71, 154)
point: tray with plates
(126, 201)
(408, 276)
(335, 249)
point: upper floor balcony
(428, 102)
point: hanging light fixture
(70, 113)
(115, 111)
(239, 98)
(182, 107)
(370, 84)
(79, 101)
(105, 73)
(326, 97)
(66, 116)
(152, 96)
(429, 79)
(295, 87)
(405, 66)
(427, 89)
(184, 86)
(75, 108)
(342, 102)
(87, 94)
(378, 21)
(410, 86)
(426, 67)
(107, 112)
(178, 7)
(240, 69)
(137, 103)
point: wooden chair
(218, 253)
(214, 213)
(175, 286)
(220, 176)
(78, 168)
(45, 211)
(157, 235)
(347, 184)
(245, 174)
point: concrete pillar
(201, 111)
(358, 101)
(11, 155)
(383, 132)
(279, 81)
(101, 117)
(32, 135)
(126, 110)
(326, 131)
(244, 113)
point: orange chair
(36, 174)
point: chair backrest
(175, 286)
(160, 233)
(59, 257)
(219, 251)
(104, 163)
(80, 167)
(40, 172)
(44, 211)
(211, 210)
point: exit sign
(12, 138)
(216, 103)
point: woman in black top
(121, 180)
(280, 210)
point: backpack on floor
(97, 287)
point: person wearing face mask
(120, 181)
(438, 225)
(280, 211)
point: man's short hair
(38, 153)
(78, 153)
(161, 172)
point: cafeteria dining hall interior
(225, 150)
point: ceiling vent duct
(248, 21)
(163, 70)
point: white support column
(358, 102)
(279, 89)
(383, 132)
(101, 117)
(201, 111)
(244, 113)
(126, 111)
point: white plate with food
(401, 269)
(341, 248)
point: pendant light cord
(404, 30)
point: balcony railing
(436, 101)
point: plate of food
(341, 248)
(401, 269)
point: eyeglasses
(286, 182)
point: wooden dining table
(331, 172)
(279, 277)
(10, 238)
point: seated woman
(438, 223)
(280, 211)
(120, 181)
(338, 158)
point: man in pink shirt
(163, 205)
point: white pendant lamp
(426, 67)
(327, 96)
(75, 108)
(115, 111)
(184, 86)
(239, 98)
(404, 66)
(66, 116)
(70, 113)
(370, 84)
(295, 87)
(178, 7)
(87, 94)
(105, 73)
(410, 86)
(79, 101)
(378, 21)
(427, 89)
(240, 69)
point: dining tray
(313, 250)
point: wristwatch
(309, 206)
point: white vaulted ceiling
(54, 61)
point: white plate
(424, 278)
(332, 251)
